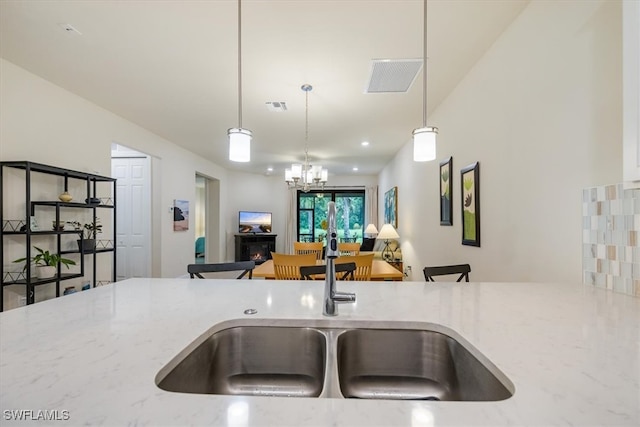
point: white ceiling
(172, 67)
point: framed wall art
(446, 198)
(391, 207)
(180, 215)
(470, 192)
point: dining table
(380, 270)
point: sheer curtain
(290, 234)
(371, 205)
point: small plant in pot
(90, 231)
(46, 263)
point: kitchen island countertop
(572, 352)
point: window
(312, 215)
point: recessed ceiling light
(70, 29)
(269, 169)
(365, 143)
(355, 169)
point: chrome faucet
(331, 295)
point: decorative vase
(65, 197)
(45, 271)
(87, 245)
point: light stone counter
(572, 352)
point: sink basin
(412, 364)
(298, 358)
(254, 361)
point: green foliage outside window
(349, 213)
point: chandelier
(306, 176)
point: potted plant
(46, 263)
(90, 230)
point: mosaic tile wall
(611, 238)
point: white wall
(542, 113)
(44, 123)
(631, 97)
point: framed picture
(470, 191)
(180, 215)
(446, 185)
(33, 224)
(391, 207)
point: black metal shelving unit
(23, 228)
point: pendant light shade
(424, 144)
(239, 145)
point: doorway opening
(201, 219)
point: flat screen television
(254, 222)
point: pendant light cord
(240, 64)
(424, 69)
(306, 88)
(306, 122)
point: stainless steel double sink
(297, 358)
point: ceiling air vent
(392, 75)
(277, 106)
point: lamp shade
(388, 232)
(239, 144)
(371, 229)
(324, 175)
(424, 144)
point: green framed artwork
(470, 192)
(391, 207)
(446, 185)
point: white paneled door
(133, 215)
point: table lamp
(370, 231)
(387, 233)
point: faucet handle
(332, 243)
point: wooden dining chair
(287, 267)
(348, 239)
(363, 265)
(349, 248)
(302, 248)
(442, 270)
(246, 267)
(310, 272)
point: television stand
(255, 247)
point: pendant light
(424, 138)
(239, 138)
